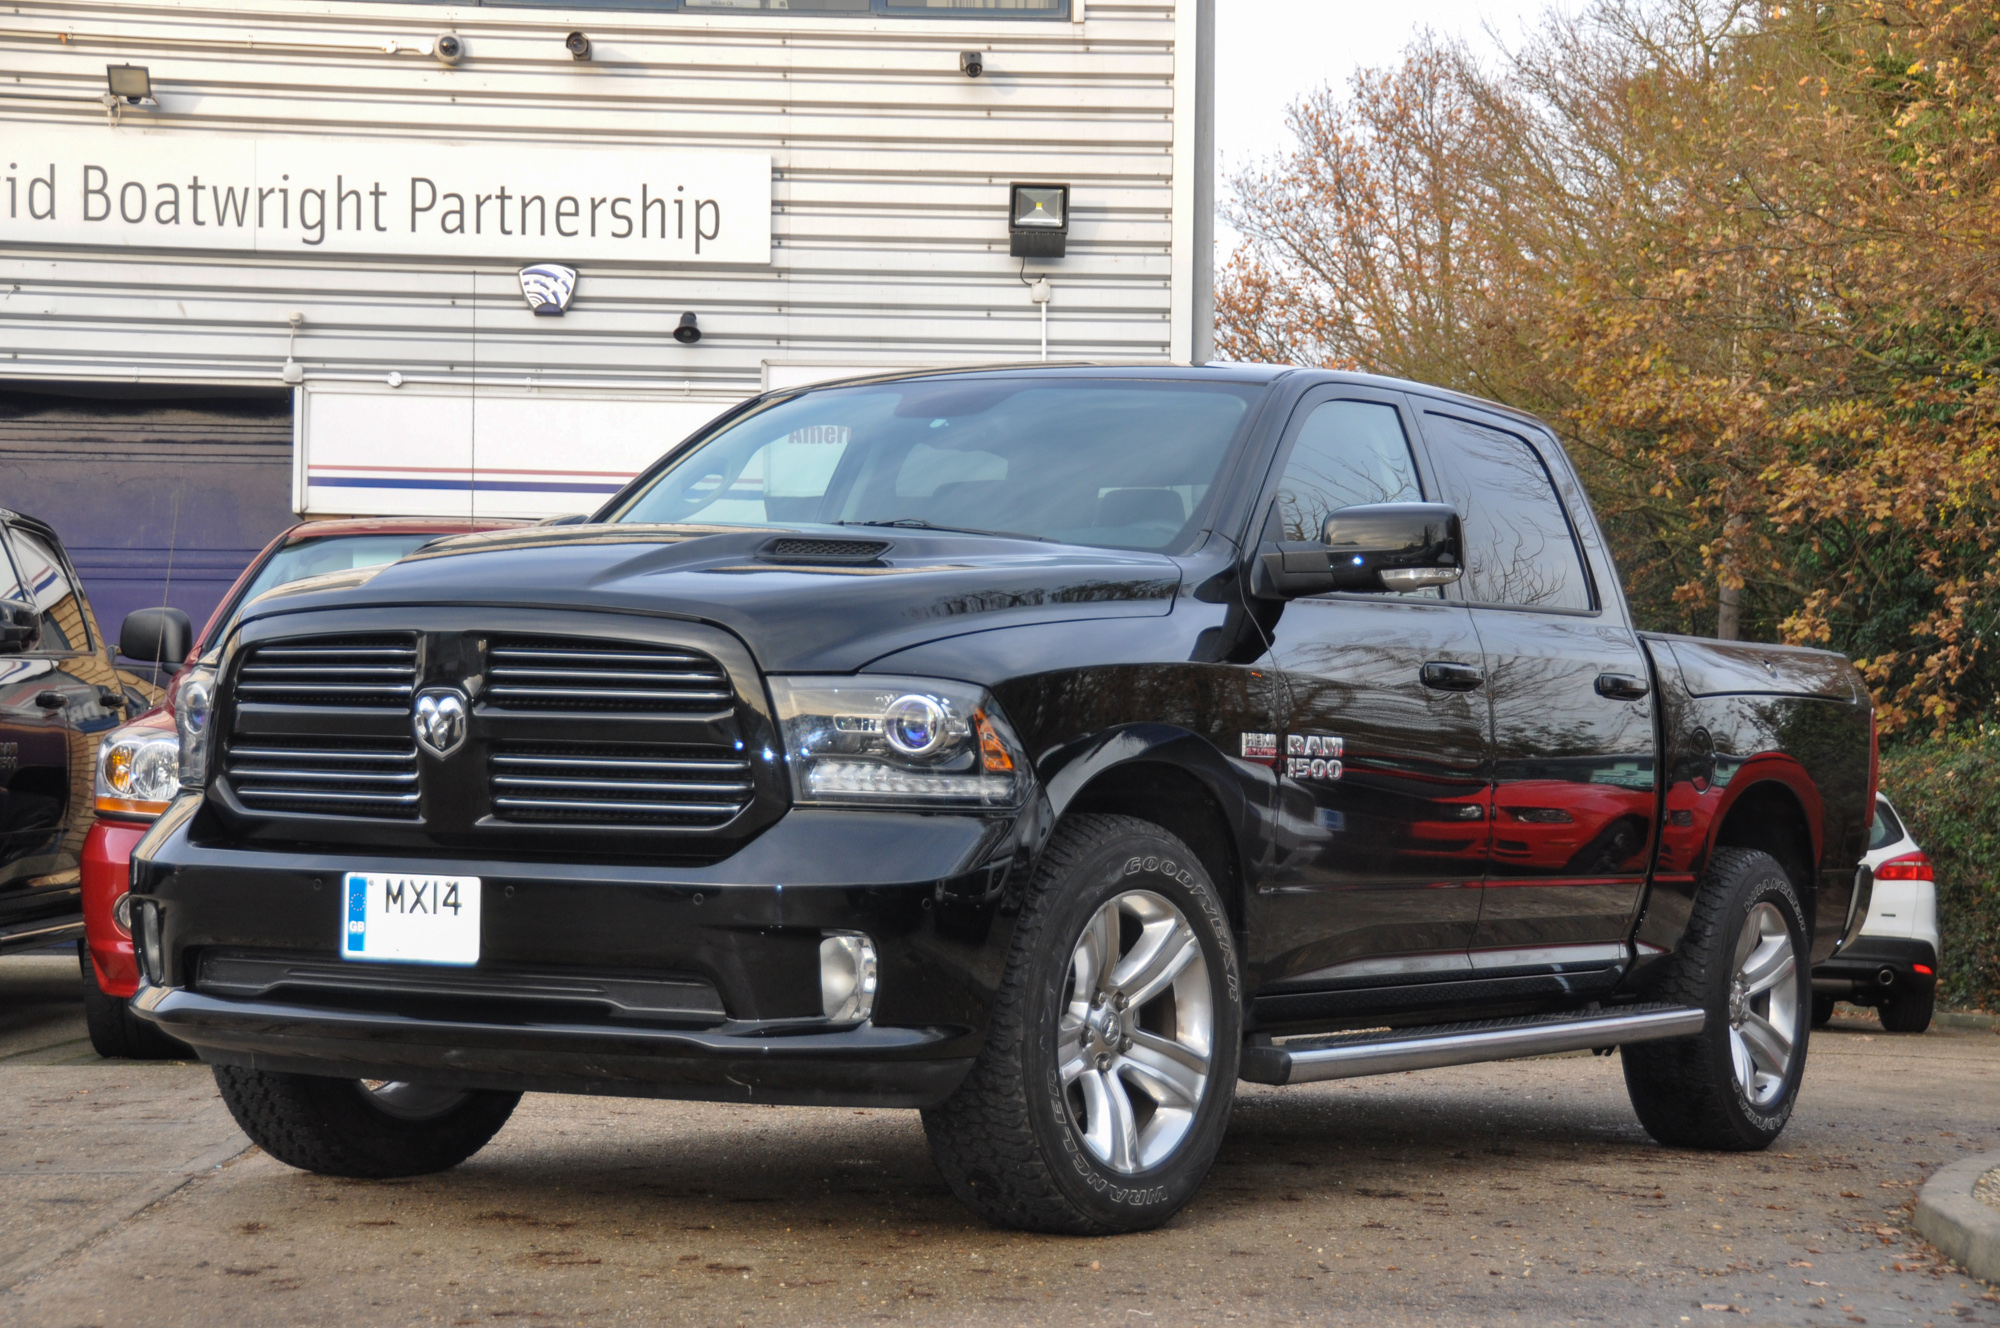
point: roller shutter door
(158, 500)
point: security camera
(577, 45)
(450, 48)
(971, 64)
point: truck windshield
(319, 554)
(1119, 463)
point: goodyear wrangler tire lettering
(1100, 1099)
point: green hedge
(1948, 790)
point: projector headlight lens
(898, 742)
(191, 715)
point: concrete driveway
(1522, 1192)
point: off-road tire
(331, 1127)
(1822, 1013)
(115, 1032)
(1685, 1089)
(1908, 1011)
(1004, 1140)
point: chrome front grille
(351, 777)
(575, 783)
(581, 675)
(363, 672)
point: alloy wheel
(1136, 1033)
(412, 1102)
(1763, 1006)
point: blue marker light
(1357, 560)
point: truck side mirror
(20, 626)
(1372, 548)
(156, 636)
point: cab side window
(1347, 453)
(1519, 549)
(11, 586)
(48, 584)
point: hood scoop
(799, 549)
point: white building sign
(277, 194)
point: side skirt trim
(1353, 1055)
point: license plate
(411, 919)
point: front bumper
(741, 1061)
(933, 891)
(107, 859)
(1876, 966)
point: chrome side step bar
(1352, 1055)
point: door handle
(1453, 677)
(1621, 686)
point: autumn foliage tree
(1742, 256)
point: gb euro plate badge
(410, 919)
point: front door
(1382, 757)
(1573, 800)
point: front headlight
(898, 742)
(191, 718)
(138, 767)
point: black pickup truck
(1045, 749)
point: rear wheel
(1731, 1086)
(117, 1033)
(1908, 1011)
(1105, 1084)
(369, 1129)
(1823, 1011)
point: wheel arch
(1769, 815)
(1172, 778)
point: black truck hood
(795, 615)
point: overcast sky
(1270, 52)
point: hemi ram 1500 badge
(1307, 755)
(1313, 755)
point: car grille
(366, 672)
(631, 785)
(350, 777)
(575, 675)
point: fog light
(121, 914)
(146, 936)
(847, 977)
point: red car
(138, 765)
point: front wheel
(362, 1128)
(1732, 1086)
(117, 1033)
(1101, 1096)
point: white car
(1892, 964)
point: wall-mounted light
(971, 64)
(1038, 221)
(126, 85)
(688, 332)
(131, 84)
(577, 45)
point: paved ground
(1511, 1193)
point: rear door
(1573, 741)
(1381, 835)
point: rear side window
(1519, 549)
(1347, 453)
(1885, 829)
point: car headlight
(139, 767)
(191, 718)
(898, 742)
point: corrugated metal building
(840, 201)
